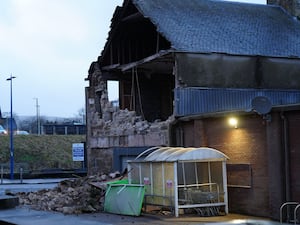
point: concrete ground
(25, 216)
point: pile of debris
(71, 196)
(125, 122)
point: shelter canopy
(172, 154)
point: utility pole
(11, 131)
(38, 116)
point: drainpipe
(286, 157)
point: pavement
(24, 215)
(27, 185)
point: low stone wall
(100, 160)
(135, 140)
(123, 128)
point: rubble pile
(72, 196)
(125, 122)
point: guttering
(213, 114)
(278, 108)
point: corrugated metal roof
(224, 27)
(172, 154)
(192, 101)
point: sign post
(78, 152)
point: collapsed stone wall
(122, 123)
(122, 128)
(109, 127)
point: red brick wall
(261, 146)
(244, 145)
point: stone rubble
(71, 196)
(125, 122)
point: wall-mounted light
(233, 122)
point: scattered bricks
(74, 196)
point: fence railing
(19, 169)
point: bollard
(21, 175)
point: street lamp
(11, 131)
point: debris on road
(71, 196)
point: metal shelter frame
(182, 178)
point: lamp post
(11, 131)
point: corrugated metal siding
(191, 101)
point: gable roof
(209, 26)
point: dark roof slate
(224, 27)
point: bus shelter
(183, 179)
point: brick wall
(263, 169)
(247, 148)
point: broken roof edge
(114, 22)
(125, 67)
(235, 54)
(162, 53)
(172, 154)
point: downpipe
(286, 157)
(285, 145)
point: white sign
(78, 151)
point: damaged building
(184, 68)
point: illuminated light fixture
(233, 122)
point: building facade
(180, 80)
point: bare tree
(81, 115)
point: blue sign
(78, 151)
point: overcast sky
(48, 45)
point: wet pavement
(23, 215)
(28, 185)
